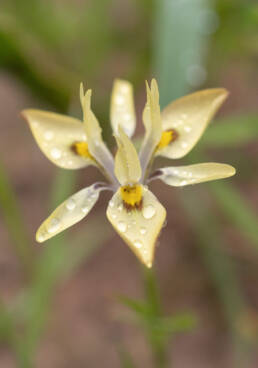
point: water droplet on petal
(183, 182)
(138, 243)
(119, 100)
(148, 212)
(85, 209)
(41, 238)
(70, 204)
(120, 207)
(127, 117)
(122, 226)
(143, 230)
(114, 215)
(48, 135)
(187, 128)
(53, 226)
(56, 153)
(111, 204)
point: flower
(134, 211)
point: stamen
(81, 149)
(131, 196)
(167, 137)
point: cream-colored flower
(134, 211)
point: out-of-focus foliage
(159, 329)
(52, 45)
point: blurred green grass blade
(178, 323)
(221, 268)
(236, 208)
(59, 258)
(22, 54)
(211, 243)
(46, 273)
(231, 132)
(151, 292)
(140, 308)
(126, 360)
(180, 42)
(13, 219)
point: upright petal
(69, 212)
(193, 174)
(56, 135)
(122, 107)
(139, 227)
(97, 147)
(152, 123)
(187, 118)
(127, 164)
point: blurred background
(82, 299)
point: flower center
(167, 137)
(131, 196)
(81, 149)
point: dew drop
(138, 244)
(187, 128)
(124, 88)
(143, 230)
(111, 204)
(70, 204)
(120, 207)
(122, 226)
(56, 153)
(183, 182)
(48, 135)
(148, 212)
(93, 195)
(85, 209)
(114, 215)
(120, 100)
(41, 238)
(184, 144)
(53, 226)
(127, 117)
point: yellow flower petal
(127, 164)
(56, 134)
(189, 117)
(138, 227)
(97, 147)
(69, 212)
(122, 107)
(194, 174)
(152, 123)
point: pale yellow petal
(189, 117)
(127, 164)
(122, 107)
(97, 147)
(55, 135)
(139, 228)
(194, 174)
(152, 123)
(69, 212)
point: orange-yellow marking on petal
(81, 149)
(167, 137)
(131, 196)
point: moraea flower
(134, 211)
